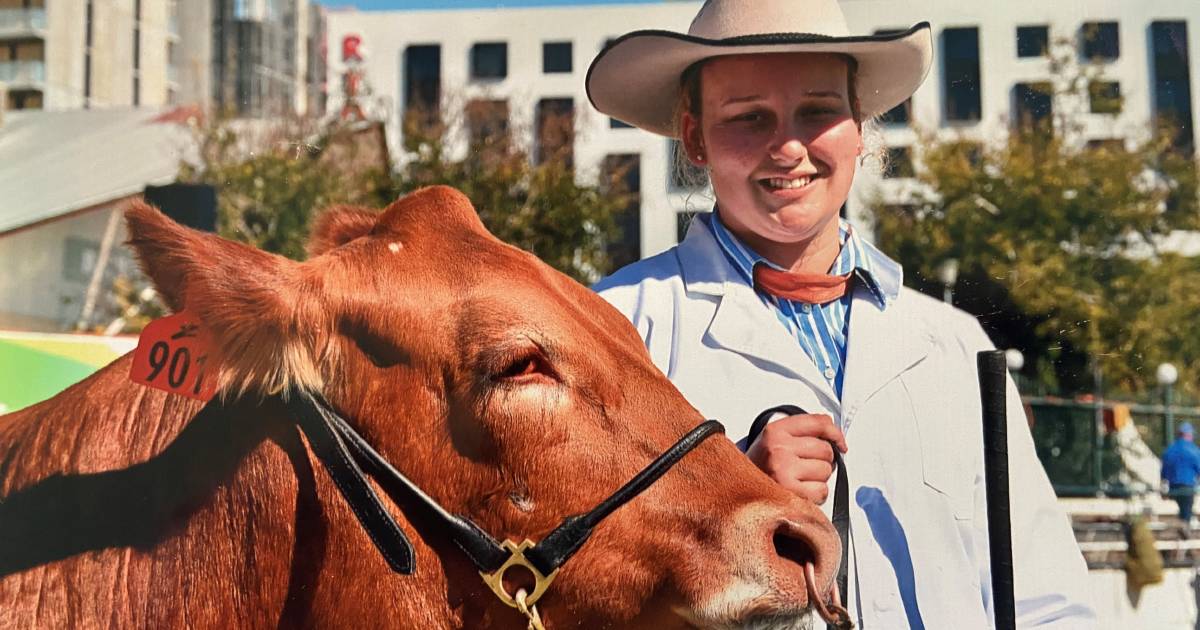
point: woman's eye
(819, 111)
(748, 117)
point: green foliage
(271, 179)
(541, 208)
(1057, 246)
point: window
(1108, 145)
(1032, 41)
(489, 61)
(556, 57)
(1172, 83)
(683, 174)
(902, 113)
(970, 150)
(556, 130)
(622, 175)
(137, 52)
(24, 99)
(899, 163)
(960, 60)
(1033, 106)
(1100, 41)
(1104, 97)
(898, 115)
(87, 56)
(79, 259)
(422, 85)
(487, 123)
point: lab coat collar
(882, 343)
(743, 323)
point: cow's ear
(339, 225)
(260, 308)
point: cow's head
(510, 394)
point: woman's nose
(788, 147)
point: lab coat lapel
(742, 322)
(881, 345)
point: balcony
(21, 74)
(22, 22)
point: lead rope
(530, 612)
(836, 612)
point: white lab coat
(911, 413)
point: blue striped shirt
(820, 329)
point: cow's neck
(210, 503)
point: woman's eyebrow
(742, 99)
(824, 93)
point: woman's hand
(796, 452)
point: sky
(468, 4)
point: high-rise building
(254, 58)
(70, 54)
(248, 57)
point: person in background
(1180, 469)
(772, 299)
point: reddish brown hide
(508, 392)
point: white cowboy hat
(636, 78)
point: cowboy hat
(636, 77)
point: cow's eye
(528, 366)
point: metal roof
(56, 162)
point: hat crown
(723, 19)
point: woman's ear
(693, 139)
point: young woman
(771, 299)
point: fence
(1080, 452)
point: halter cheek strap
(349, 459)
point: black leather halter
(346, 455)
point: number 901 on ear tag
(173, 354)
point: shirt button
(829, 373)
(804, 308)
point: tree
(273, 176)
(1058, 244)
(538, 206)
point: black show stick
(992, 373)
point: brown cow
(508, 392)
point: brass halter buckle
(516, 557)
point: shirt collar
(881, 275)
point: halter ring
(495, 580)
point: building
(66, 178)
(74, 54)
(521, 64)
(253, 58)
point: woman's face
(780, 140)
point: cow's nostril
(791, 548)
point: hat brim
(635, 79)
